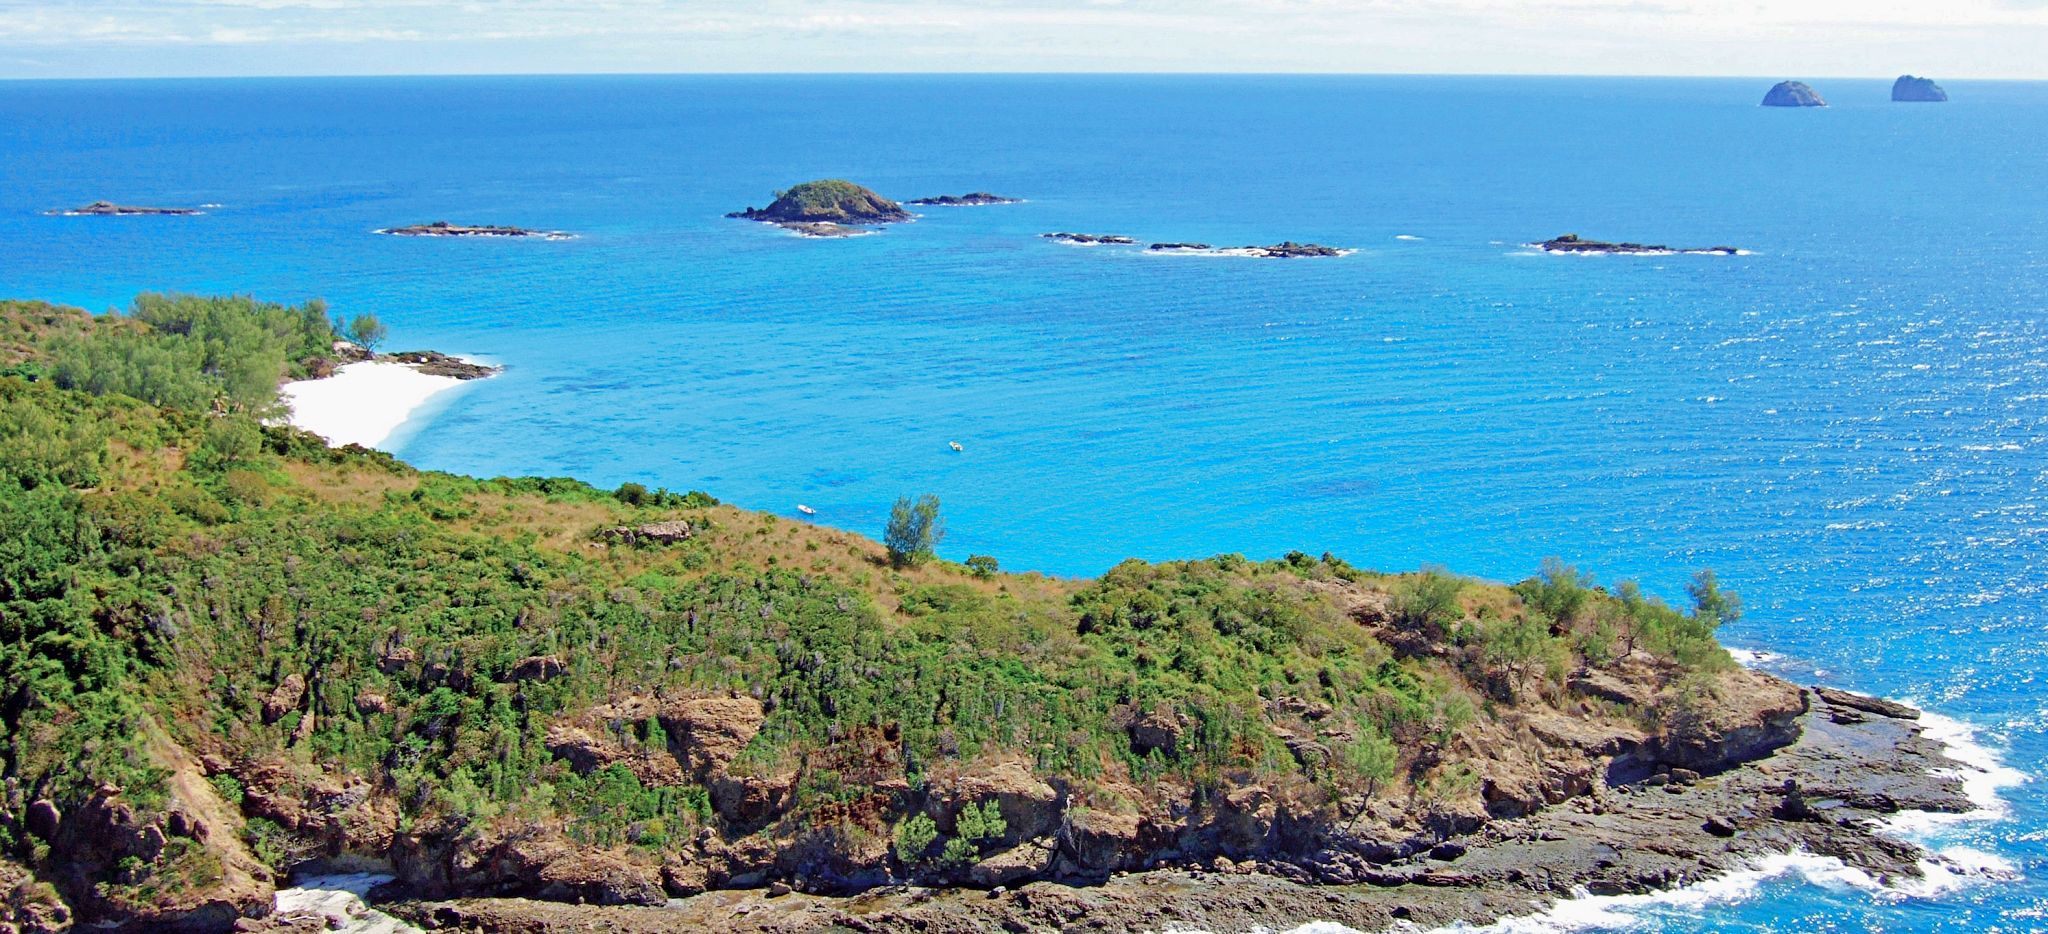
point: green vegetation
(167, 561)
(832, 201)
(915, 529)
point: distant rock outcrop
(831, 201)
(970, 199)
(110, 209)
(1088, 239)
(446, 229)
(1573, 243)
(1793, 94)
(1917, 90)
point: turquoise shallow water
(1850, 424)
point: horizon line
(995, 74)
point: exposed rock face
(829, 201)
(1793, 94)
(971, 199)
(1163, 247)
(1751, 716)
(1088, 239)
(110, 209)
(660, 533)
(1669, 829)
(446, 229)
(1573, 243)
(1909, 89)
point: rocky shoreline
(1283, 250)
(1847, 764)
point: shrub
(981, 566)
(1428, 600)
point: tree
(367, 332)
(913, 837)
(914, 530)
(1711, 604)
(982, 565)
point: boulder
(1030, 808)
(708, 733)
(1016, 864)
(1793, 94)
(1157, 730)
(536, 668)
(1910, 89)
(285, 698)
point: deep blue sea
(1850, 424)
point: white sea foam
(339, 898)
(1406, 237)
(363, 403)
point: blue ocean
(1849, 422)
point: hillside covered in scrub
(228, 652)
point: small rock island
(1287, 249)
(1793, 94)
(1573, 243)
(446, 229)
(1081, 239)
(970, 199)
(110, 209)
(826, 208)
(1911, 89)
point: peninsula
(110, 209)
(539, 705)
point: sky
(1947, 39)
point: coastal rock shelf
(971, 199)
(110, 209)
(1793, 94)
(1911, 89)
(1573, 243)
(1829, 766)
(446, 229)
(435, 363)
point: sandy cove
(364, 403)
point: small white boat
(806, 510)
(955, 445)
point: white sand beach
(362, 403)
